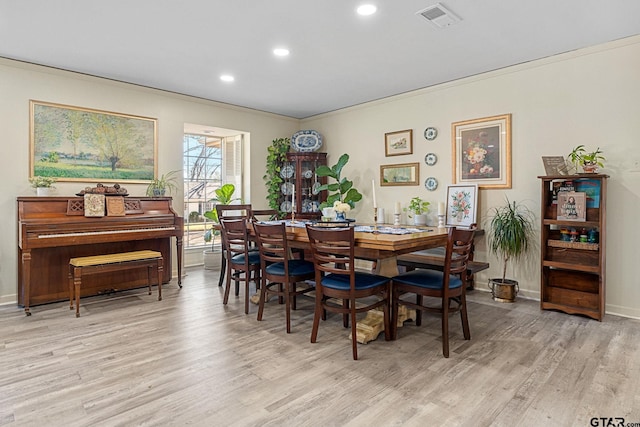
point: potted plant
(589, 161)
(418, 210)
(344, 191)
(276, 157)
(42, 184)
(510, 236)
(159, 186)
(224, 196)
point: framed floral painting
(482, 151)
(462, 205)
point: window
(209, 163)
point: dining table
(381, 244)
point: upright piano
(53, 230)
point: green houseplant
(224, 196)
(159, 186)
(510, 236)
(42, 184)
(588, 160)
(276, 156)
(342, 188)
(417, 210)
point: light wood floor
(188, 360)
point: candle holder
(396, 219)
(441, 221)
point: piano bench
(432, 260)
(112, 262)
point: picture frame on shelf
(400, 174)
(555, 165)
(482, 151)
(71, 143)
(462, 205)
(572, 206)
(398, 143)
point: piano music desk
(112, 262)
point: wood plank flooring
(131, 360)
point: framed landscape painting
(398, 143)
(80, 144)
(482, 152)
(400, 174)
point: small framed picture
(462, 205)
(401, 174)
(572, 206)
(398, 143)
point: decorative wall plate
(430, 159)
(287, 188)
(287, 171)
(306, 141)
(431, 183)
(285, 206)
(430, 133)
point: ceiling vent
(439, 16)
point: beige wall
(586, 97)
(21, 82)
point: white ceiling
(338, 59)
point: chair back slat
(332, 249)
(235, 237)
(459, 244)
(272, 242)
(234, 211)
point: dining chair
(230, 212)
(445, 285)
(281, 275)
(335, 277)
(243, 264)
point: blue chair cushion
(430, 279)
(297, 267)
(254, 258)
(363, 281)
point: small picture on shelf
(572, 206)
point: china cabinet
(300, 189)
(573, 249)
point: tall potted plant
(344, 191)
(224, 196)
(510, 236)
(276, 157)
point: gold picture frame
(400, 174)
(81, 144)
(482, 151)
(398, 143)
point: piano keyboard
(95, 233)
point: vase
(341, 216)
(43, 191)
(420, 219)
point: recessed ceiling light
(281, 51)
(366, 9)
(227, 78)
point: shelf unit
(573, 273)
(300, 171)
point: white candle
(440, 208)
(373, 189)
(397, 208)
(293, 198)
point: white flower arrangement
(339, 206)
